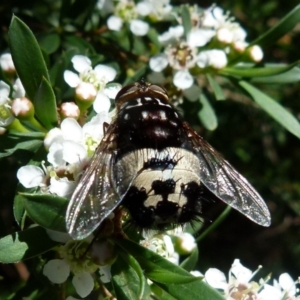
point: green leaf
(216, 88)
(127, 282)
(196, 289)
(45, 98)
(50, 42)
(186, 20)
(19, 210)
(27, 56)
(32, 146)
(290, 76)
(190, 262)
(252, 72)
(285, 25)
(48, 211)
(25, 244)
(207, 115)
(160, 293)
(273, 108)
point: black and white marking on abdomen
(166, 189)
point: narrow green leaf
(244, 71)
(45, 98)
(285, 25)
(46, 210)
(273, 108)
(163, 276)
(160, 293)
(186, 20)
(190, 262)
(27, 56)
(147, 259)
(25, 244)
(290, 76)
(19, 210)
(207, 115)
(32, 146)
(216, 88)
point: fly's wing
(226, 183)
(95, 196)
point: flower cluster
(241, 286)
(212, 42)
(76, 259)
(129, 13)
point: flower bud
(185, 243)
(85, 94)
(69, 110)
(103, 252)
(22, 108)
(256, 54)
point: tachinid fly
(157, 167)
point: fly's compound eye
(125, 92)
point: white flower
(181, 58)
(126, 11)
(238, 285)
(158, 8)
(162, 245)
(89, 82)
(200, 37)
(284, 289)
(73, 260)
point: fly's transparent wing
(226, 183)
(95, 196)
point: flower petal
(101, 103)
(55, 155)
(287, 283)
(71, 130)
(106, 72)
(183, 79)
(240, 272)
(4, 92)
(57, 270)
(216, 278)
(114, 23)
(105, 273)
(158, 63)
(81, 63)
(71, 78)
(62, 187)
(30, 176)
(139, 27)
(74, 153)
(83, 283)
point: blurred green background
(259, 148)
